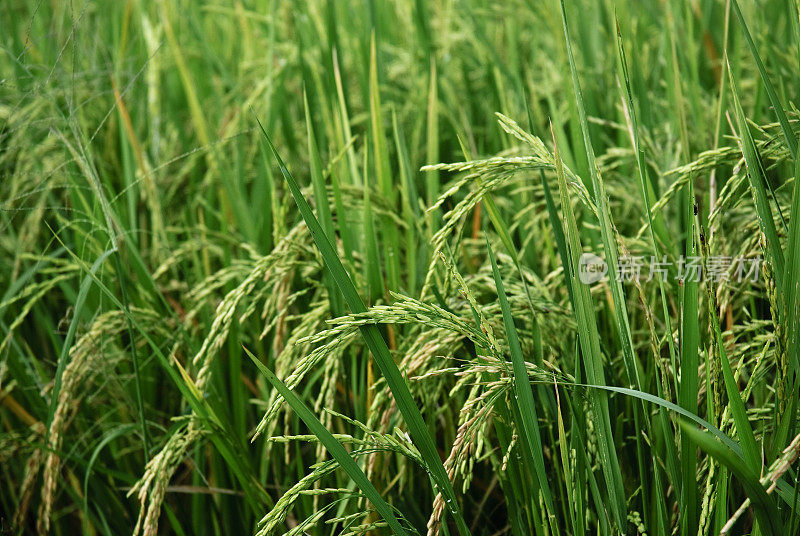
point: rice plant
(412, 268)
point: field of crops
(446, 267)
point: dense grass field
(440, 267)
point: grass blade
(411, 212)
(380, 351)
(758, 188)
(391, 249)
(788, 134)
(750, 450)
(321, 195)
(688, 385)
(333, 446)
(589, 338)
(666, 404)
(769, 520)
(789, 364)
(523, 393)
(610, 249)
(64, 355)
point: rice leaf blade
(523, 392)
(769, 520)
(380, 351)
(788, 134)
(336, 449)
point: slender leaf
(337, 450)
(380, 351)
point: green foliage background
(408, 285)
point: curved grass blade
(750, 450)
(769, 520)
(606, 224)
(78, 152)
(223, 439)
(320, 193)
(336, 449)
(791, 296)
(523, 393)
(408, 195)
(108, 438)
(391, 247)
(688, 384)
(380, 351)
(656, 226)
(589, 339)
(757, 187)
(791, 142)
(65, 347)
(653, 399)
